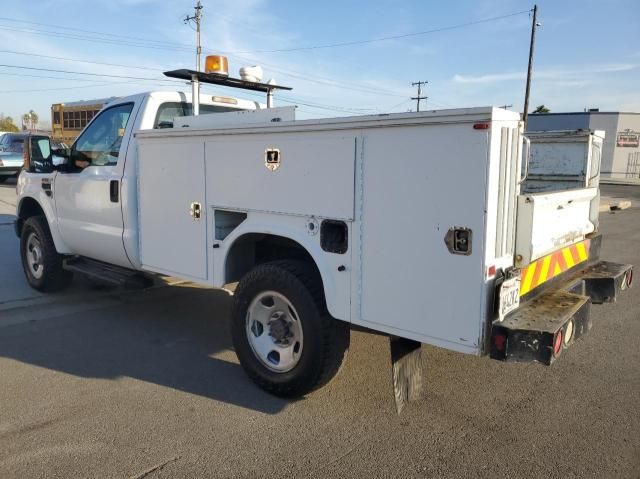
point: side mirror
(60, 156)
(37, 154)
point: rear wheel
(4, 178)
(283, 335)
(41, 262)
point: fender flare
(36, 207)
(336, 307)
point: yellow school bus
(69, 119)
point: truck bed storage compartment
(171, 208)
(314, 175)
(415, 195)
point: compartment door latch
(458, 240)
(195, 210)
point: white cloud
(552, 74)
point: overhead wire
(148, 43)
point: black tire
(326, 340)
(4, 178)
(53, 276)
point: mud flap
(406, 364)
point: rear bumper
(554, 318)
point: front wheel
(41, 262)
(283, 335)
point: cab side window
(99, 144)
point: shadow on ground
(167, 336)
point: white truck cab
(91, 205)
(413, 225)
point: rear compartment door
(549, 221)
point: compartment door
(172, 211)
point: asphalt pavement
(97, 383)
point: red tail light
(491, 271)
(500, 342)
(557, 343)
(481, 126)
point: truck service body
(409, 224)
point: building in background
(621, 150)
(69, 119)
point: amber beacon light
(216, 64)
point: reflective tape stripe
(552, 265)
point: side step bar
(107, 273)
(540, 329)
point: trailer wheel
(284, 337)
(41, 262)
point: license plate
(509, 297)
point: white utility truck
(409, 224)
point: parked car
(11, 160)
(11, 154)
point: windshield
(15, 145)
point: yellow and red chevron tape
(552, 265)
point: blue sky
(587, 52)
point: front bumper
(10, 170)
(553, 318)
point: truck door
(88, 194)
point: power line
(147, 43)
(72, 36)
(84, 73)
(318, 80)
(382, 39)
(39, 55)
(286, 100)
(115, 35)
(94, 85)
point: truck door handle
(113, 191)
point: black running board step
(603, 281)
(540, 329)
(108, 273)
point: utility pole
(534, 26)
(419, 97)
(197, 17)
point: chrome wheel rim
(35, 261)
(274, 331)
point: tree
(30, 120)
(6, 123)
(541, 109)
